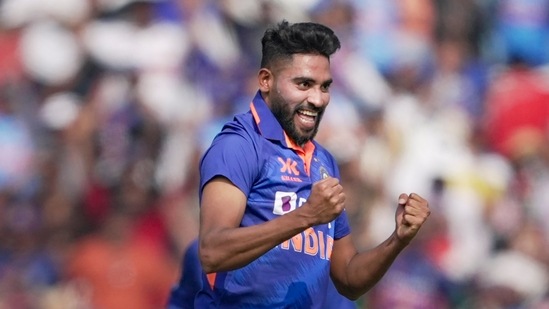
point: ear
(265, 80)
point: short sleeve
(232, 156)
(342, 227)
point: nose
(317, 97)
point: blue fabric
(251, 152)
(183, 294)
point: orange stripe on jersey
(211, 279)
(305, 152)
(309, 149)
(255, 114)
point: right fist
(327, 200)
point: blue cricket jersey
(190, 282)
(254, 153)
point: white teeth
(308, 113)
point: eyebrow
(308, 79)
(328, 82)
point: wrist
(396, 241)
(304, 219)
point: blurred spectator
(517, 111)
(511, 280)
(116, 270)
(521, 31)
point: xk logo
(289, 166)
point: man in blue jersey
(273, 226)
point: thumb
(402, 199)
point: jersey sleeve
(342, 227)
(232, 156)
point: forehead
(311, 66)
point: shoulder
(321, 151)
(235, 153)
(241, 132)
(241, 123)
(240, 129)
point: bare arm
(356, 273)
(226, 246)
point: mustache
(309, 107)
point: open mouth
(307, 118)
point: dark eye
(304, 84)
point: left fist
(412, 212)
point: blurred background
(107, 105)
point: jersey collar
(271, 129)
(267, 123)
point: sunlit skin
(298, 92)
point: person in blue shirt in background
(190, 280)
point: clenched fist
(411, 213)
(326, 202)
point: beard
(285, 116)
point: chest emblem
(288, 170)
(289, 166)
(324, 172)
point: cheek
(326, 98)
(292, 97)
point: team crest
(324, 172)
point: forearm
(232, 248)
(365, 269)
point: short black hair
(284, 40)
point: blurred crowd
(107, 105)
